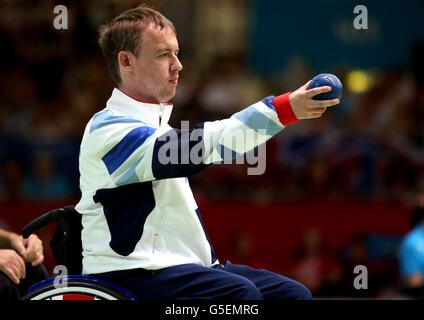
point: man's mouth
(174, 81)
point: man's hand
(31, 249)
(12, 265)
(304, 107)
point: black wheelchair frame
(67, 250)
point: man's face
(157, 65)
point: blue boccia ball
(327, 79)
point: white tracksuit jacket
(138, 211)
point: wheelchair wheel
(78, 288)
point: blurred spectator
(314, 265)
(411, 255)
(376, 254)
(354, 254)
(11, 181)
(242, 244)
(227, 87)
(45, 183)
(18, 102)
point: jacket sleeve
(133, 152)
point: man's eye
(162, 55)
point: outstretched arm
(133, 152)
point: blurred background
(337, 192)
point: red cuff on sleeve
(284, 109)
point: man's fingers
(19, 246)
(31, 249)
(305, 107)
(317, 109)
(21, 265)
(313, 116)
(333, 102)
(305, 86)
(325, 103)
(12, 275)
(12, 265)
(23, 268)
(314, 91)
(34, 249)
(38, 260)
(18, 270)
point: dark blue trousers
(11, 292)
(224, 282)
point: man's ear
(125, 60)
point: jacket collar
(153, 114)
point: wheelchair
(67, 251)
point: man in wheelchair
(139, 224)
(20, 264)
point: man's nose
(176, 65)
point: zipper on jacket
(155, 239)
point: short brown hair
(123, 34)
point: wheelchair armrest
(41, 221)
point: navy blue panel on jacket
(126, 209)
(121, 151)
(184, 144)
(213, 254)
